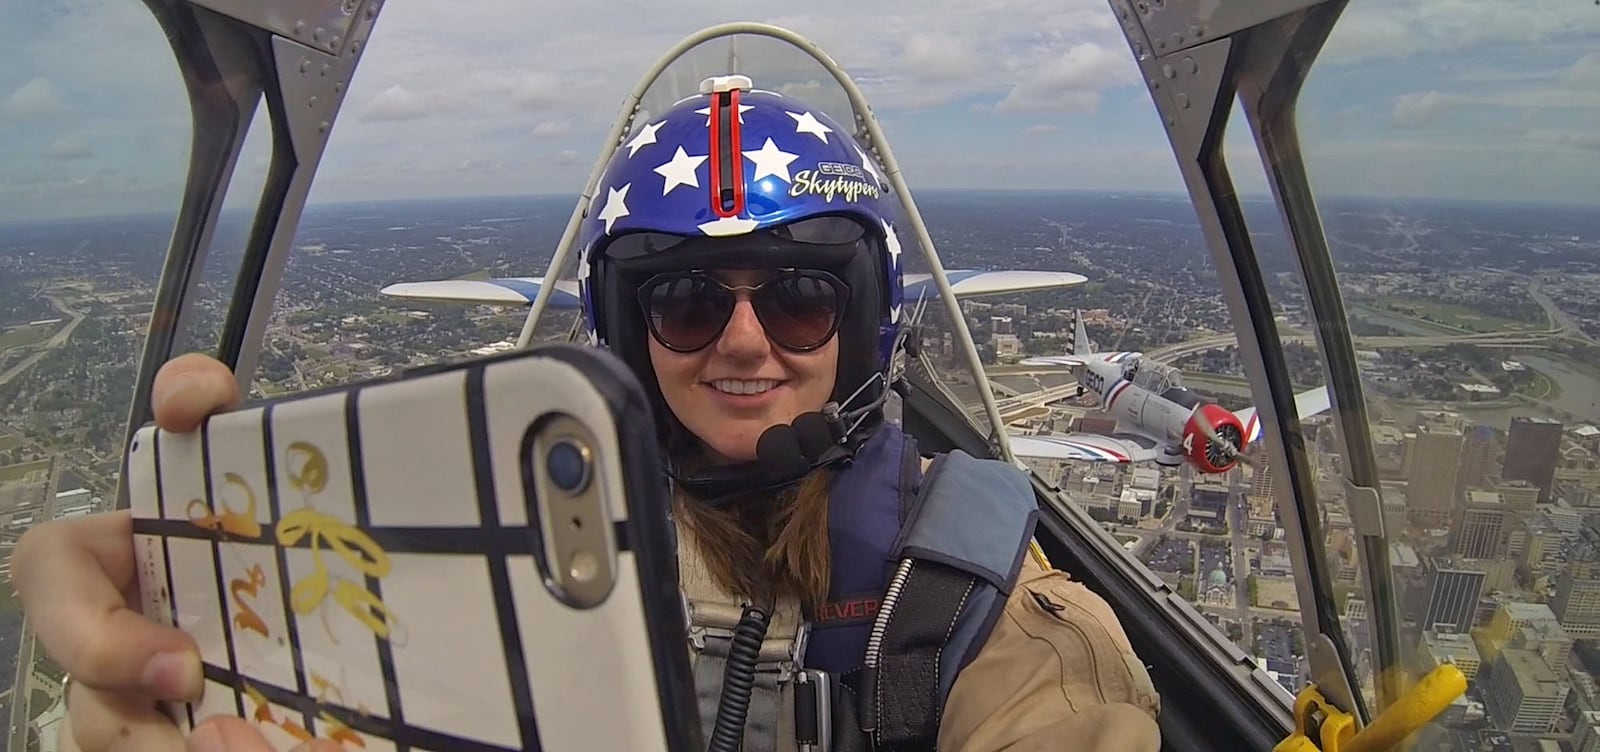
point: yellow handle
(1412, 711)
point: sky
(1473, 99)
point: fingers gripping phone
(476, 558)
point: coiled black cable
(738, 681)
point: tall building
(1480, 528)
(1458, 649)
(1540, 539)
(1261, 485)
(1526, 626)
(1577, 605)
(1577, 599)
(1432, 467)
(1586, 735)
(1452, 600)
(1518, 495)
(1523, 693)
(1477, 459)
(1533, 448)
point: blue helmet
(738, 177)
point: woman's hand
(79, 591)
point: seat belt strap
(907, 695)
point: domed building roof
(1219, 578)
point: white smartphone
(479, 557)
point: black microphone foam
(814, 435)
(778, 452)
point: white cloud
(1397, 29)
(1420, 109)
(936, 57)
(70, 147)
(1071, 81)
(1585, 74)
(498, 96)
(550, 129)
(396, 103)
(35, 99)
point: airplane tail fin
(1080, 336)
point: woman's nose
(744, 334)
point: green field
(1452, 315)
(28, 335)
(21, 470)
(9, 441)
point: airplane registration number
(1094, 382)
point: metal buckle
(797, 654)
(818, 686)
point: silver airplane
(1158, 418)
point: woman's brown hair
(765, 547)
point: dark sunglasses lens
(798, 311)
(687, 313)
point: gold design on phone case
(307, 469)
(247, 618)
(355, 547)
(237, 524)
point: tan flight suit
(1062, 677)
(1048, 678)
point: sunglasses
(799, 309)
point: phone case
(371, 563)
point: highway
(22, 695)
(1238, 526)
(44, 348)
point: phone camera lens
(567, 464)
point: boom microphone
(780, 453)
(814, 435)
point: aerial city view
(1473, 322)
(1468, 278)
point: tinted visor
(826, 242)
(800, 309)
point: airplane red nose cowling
(1203, 452)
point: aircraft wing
(520, 291)
(1306, 403)
(508, 291)
(1053, 361)
(1091, 447)
(968, 282)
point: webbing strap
(769, 724)
(908, 702)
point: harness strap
(907, 694)
(968, 530)
(770, 722)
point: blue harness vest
(942, 549)
(866, 508)
(922, 565)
